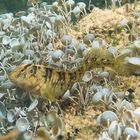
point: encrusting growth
(52, 83)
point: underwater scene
(69, 69)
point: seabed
(103, 105)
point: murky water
(18, 5)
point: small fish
(48, 82)
(20, 13)
(52, 83)
(31, 2)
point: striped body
(41, 79)
(52, 83)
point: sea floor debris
(104, 104)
